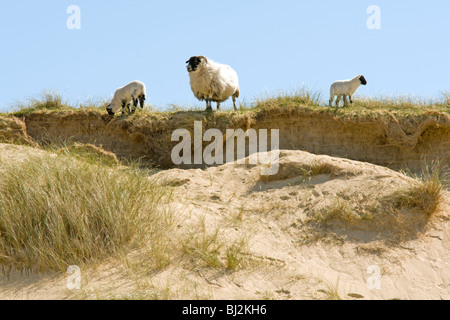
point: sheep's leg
(234, 103)
(208, 105)
(351, 99)
(218, 105)
(124, 104)
(331, 101)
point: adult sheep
(345, 88)
(134, 91)
(212, 81)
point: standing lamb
(134, 91)
(345, 88)
(212, 81)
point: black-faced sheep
(134, 91)
(345, 88)
(212, 81)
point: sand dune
(322, 228)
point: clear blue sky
(273, 45)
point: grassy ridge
(402, 106)
(303, 98)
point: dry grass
(332, 291)
(304, 98)
(343, 211)
(407, 105)
(426, 191)
(57, 211)
(205, 248)
(308, 100)
(49, 100)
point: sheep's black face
(363, 80)
(193, 64)
(109, 109)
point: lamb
(134, 91)
(345, 88)
(212, 81)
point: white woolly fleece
(126, 94)
(213, 81)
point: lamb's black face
(363, 80)
(109, 109)
(193, 63)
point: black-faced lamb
(345, 88)
(133, 92)
(212, 81)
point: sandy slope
(291, 254)
(337, 255)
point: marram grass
(58, 211)
(426, 192)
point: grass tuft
(340, 210)
(49, 100)
(303, 96)
(425, 193)
(204, 246)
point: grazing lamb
(134, 91)
(212, 81)
(345, 88)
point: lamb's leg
(218, 105)
(351, 99)
(124, 104)
(135, 104)
(338, 100)
(142, 101)
(331, 101)
(234, 103)
(345, 100)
